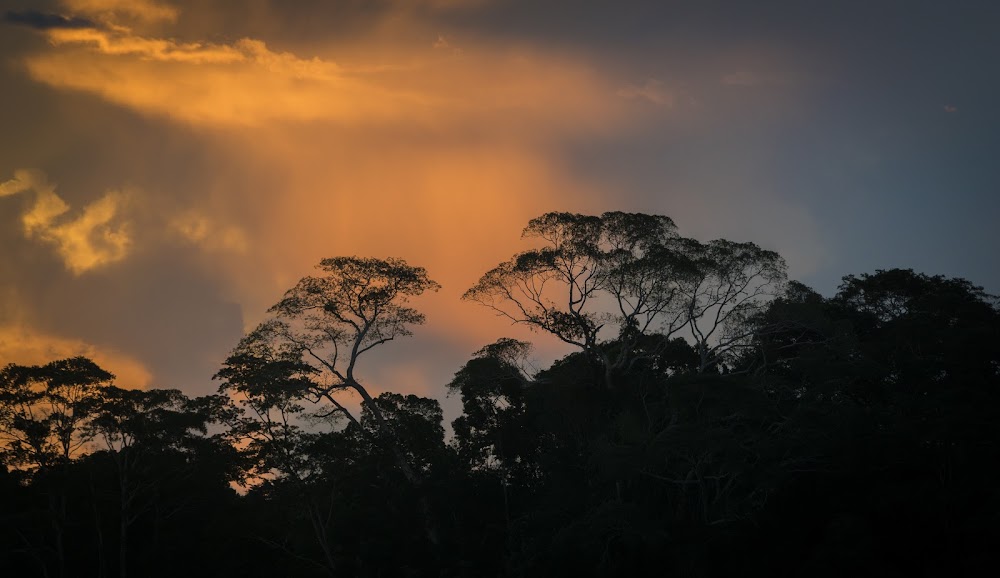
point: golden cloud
(94, 238)
(22, 345)
(197, 229)
(453, 198)
(126, 44)
(430, 154)
(246, 83)
(141, 10)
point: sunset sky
(169, 168)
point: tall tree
(43, 410)
(309, 351)
(627, 276)
(729, 288)
(43, 415)
(614, 271)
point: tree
(43, 414)
(493, 438)
(888, 394)
(493, 388)
(618, 269)
(43, 410)
(729, 287)
(922, 338)
(310, 349)
(631, 274)
(308, 353)
(270, 380)
(141, 429)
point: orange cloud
(156, 49)
(201, 231)
(22, 345)
(243, 84)
(94, 238)
(439, 157)
(246, 83)
(141, 10)
(376, 148)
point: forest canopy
(714, 417)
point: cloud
(199, 230)
(373, 144)
(240, 84)
(950, 108)
(22, 345)
(23, 180)
(652, 91)
(94, 238)
(247, 84)
(46, 20)
(126, 44)
(147, 11)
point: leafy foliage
(44, 410)
(631, 273)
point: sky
(168, 168)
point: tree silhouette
(618, 268)
(751, 425)
(731, 285)
(632, 274)
(141, 428)
(44, 411)
(309, 352)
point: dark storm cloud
(45, 20)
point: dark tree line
(713, 419)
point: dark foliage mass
(715, 420)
